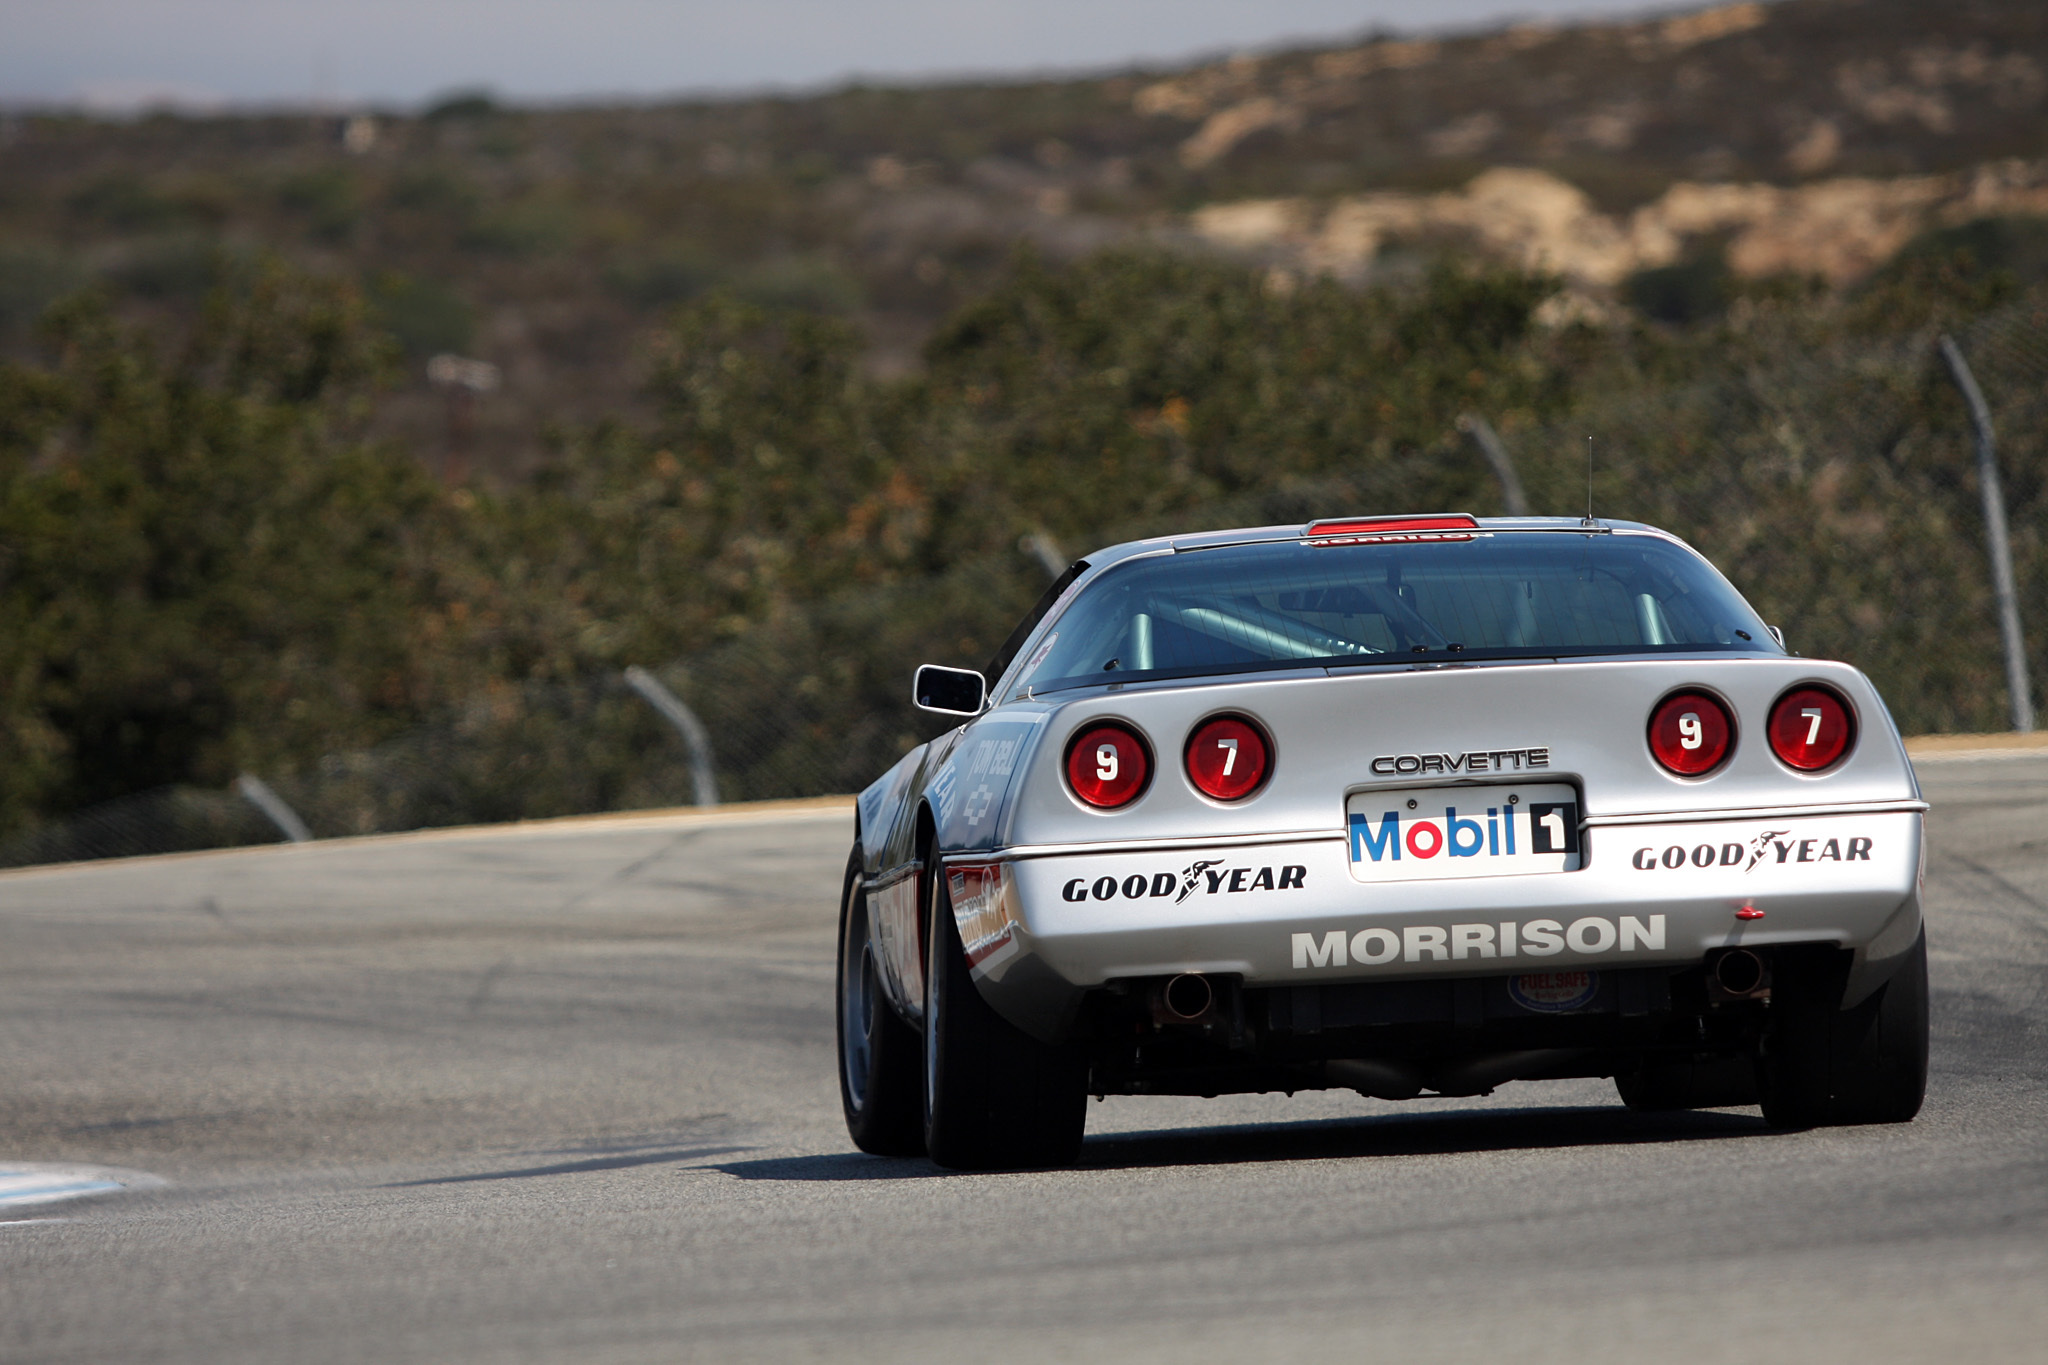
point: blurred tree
(424, 315)
(1131, 387)
(204, 568)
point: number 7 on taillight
(1228, 757)
(1811, 728)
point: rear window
(1495, 596)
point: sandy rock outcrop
(1840, 229)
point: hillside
(367, 456)
(1810, 135)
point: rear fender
(879, 814)
(896, 914)
(1877, 961)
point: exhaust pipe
(1189, 997)
(1739, 972)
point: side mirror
(1777, 635)
(949, 691)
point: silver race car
(1401, 805)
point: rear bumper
(1044, 928)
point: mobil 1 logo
(1553, 827)
(1478, 830)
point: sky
(118, 55)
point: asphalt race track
(566, 1093)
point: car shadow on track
(1438, 1134)
(675, 1156)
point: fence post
(257, 793)
(1488, 440)
(703, 776)
(1045, 550)
(2002, 583)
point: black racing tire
(1824, 1065)
(1880, 1048)
(879, 1055)
(1718, 1083)
(994, 1097)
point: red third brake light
(1363, 530)
(1228, 758)
(1107, 766)
(1811, 728)
(1691, 733)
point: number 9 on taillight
(1691, 733)
(1108, 766)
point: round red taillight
(1811, 728)
(1108, 766)
(1691, 733)
(1228, 758)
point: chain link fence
(1834, 484)
(526, 752)
(1837, 486)
(810, 704)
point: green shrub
(423, 315)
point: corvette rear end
(1405, 806)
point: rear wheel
(1880, 1049)
(878, 1052)
(1826, 1065)
(994, 1096)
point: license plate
(1431, 833)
